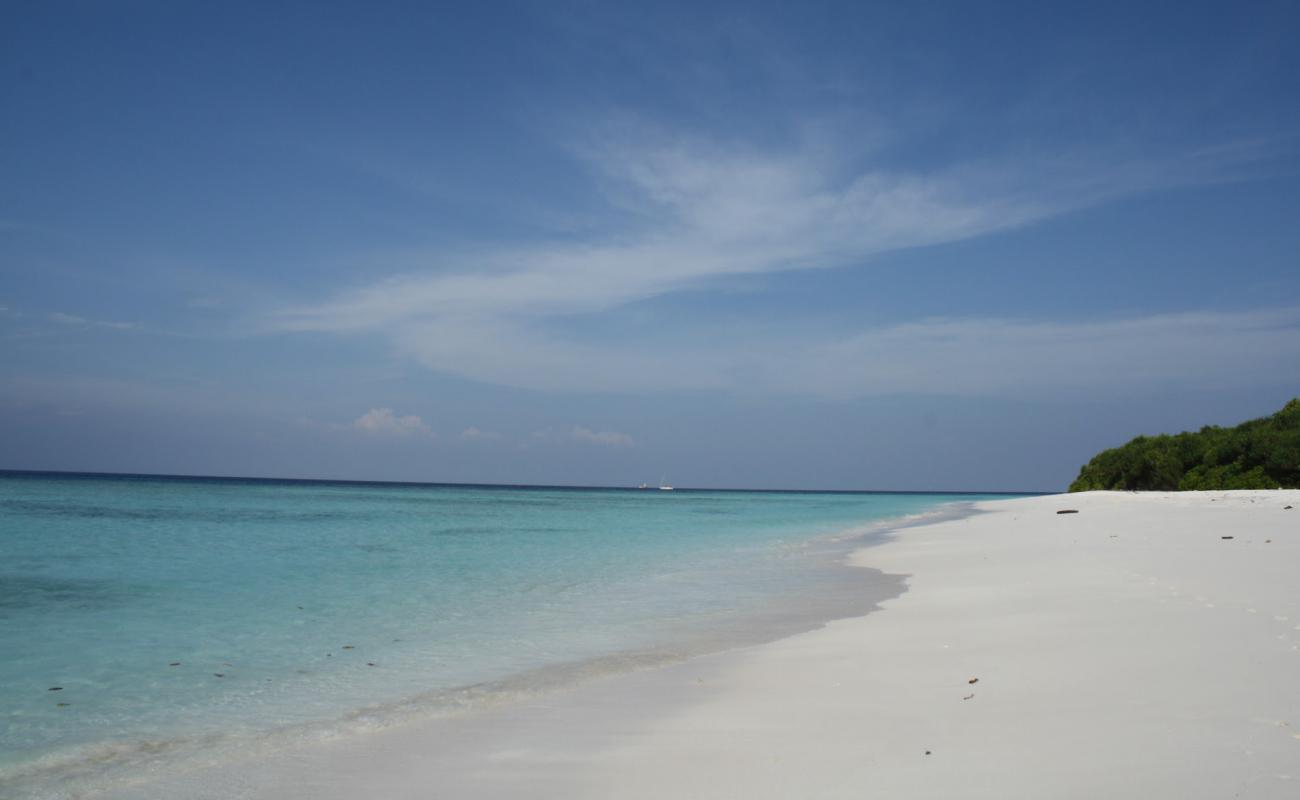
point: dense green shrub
(1259, 454)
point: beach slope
(1146, 646)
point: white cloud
(705, 212)
(584, 436)
(608, 438)
(474, 434)
(71, 319)
(955, 355)
(383, 421)
(975, 356)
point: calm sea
(182, 618)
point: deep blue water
(177, 612)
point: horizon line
(10, 472)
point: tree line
(1259, 454)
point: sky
(915, 246)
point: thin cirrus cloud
(582, 435)
(473, 434)
(992, 356)
(970, 356)
(61, 318)
(383, 422)
(607, 438)
(701, 213)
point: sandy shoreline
(1125, 651)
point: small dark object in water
(300, 608)
(1068, 511)
(62, 705)
(349, 647)
(370, 663)
(973, 680)
(56, 688)
(969, 696)
(174, 664)
(219, 674)
(1225, 537)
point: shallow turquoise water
(188, 610)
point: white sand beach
(1129, 650)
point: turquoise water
(195, 613)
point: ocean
(148, 620)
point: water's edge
(848, 591)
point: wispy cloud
(1198, 349)
(703, 211)
(71, 319)
(383, 421)
(941, 355)
(607, 438)
(472, 434)
(583, 435)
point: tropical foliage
(1259, 454)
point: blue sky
(913, 246)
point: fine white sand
(1125, 651)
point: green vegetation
(1259, 454)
